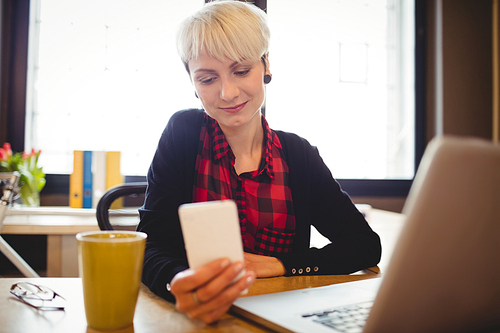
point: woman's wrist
(281, 270)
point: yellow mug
(110, 265)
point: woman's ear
(265, 61)
(267, 72)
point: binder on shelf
(87, 179)
(99, 176)
(94, 172)
(113, 175)
(76, 181)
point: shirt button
(294, 271)
(301, 271)
(316, 268)
(308, 269)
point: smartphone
(211, 230)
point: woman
(228, 151)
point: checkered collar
(221, 148)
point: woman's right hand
(208, 292)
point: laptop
(444, 273)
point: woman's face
(231, 92)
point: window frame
(14, 61)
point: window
(109, 77)
(105, 75)
(343, 79)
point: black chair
(122, 190)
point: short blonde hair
(224, 29)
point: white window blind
(343, 78)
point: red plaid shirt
(263, 196)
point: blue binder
(87, 179)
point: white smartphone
(211, 230)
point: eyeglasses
(39, 297)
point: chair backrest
(122, 190)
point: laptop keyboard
(348, 319)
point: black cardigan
(317, 199)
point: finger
(190, 279)
(196, 299)
(219, 283)
(185, 283)
(212, 290)
(214, 315)
(220, 303)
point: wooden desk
(153, 314)
(60, 224)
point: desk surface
(61, 220)
(155, 314)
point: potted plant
(32, 178)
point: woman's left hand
(264, 266)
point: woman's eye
(206, 80)
(242, 73)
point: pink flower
(7, 150)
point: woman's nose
(229, 90)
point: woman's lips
(235, 109)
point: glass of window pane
(343, 79)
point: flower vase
(30, 199)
